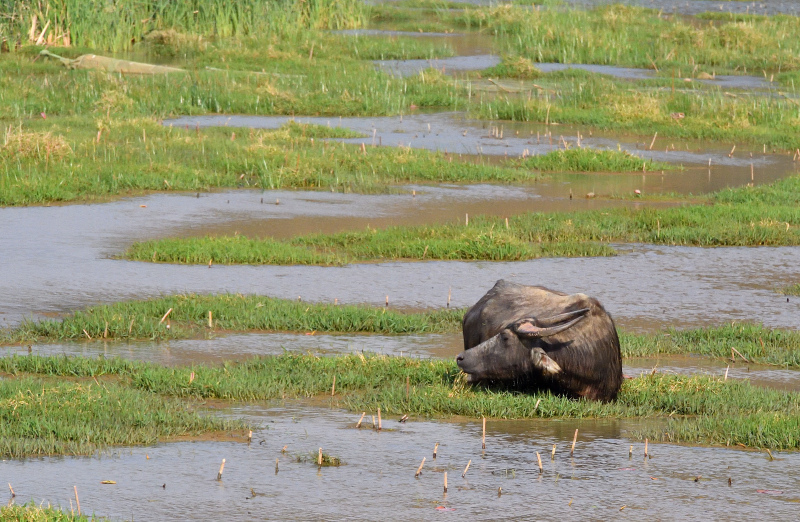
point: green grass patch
(189, 318)
(582, 159)
(704, 406)
(31, 512)
(118, 27)
(756, 343)
(767, 215)
(56, 417)
(513, 67)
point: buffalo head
(518, 350)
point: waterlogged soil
(376, 480)
(59, 259)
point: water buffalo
(547, 339)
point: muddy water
(376, 481)
(57, 259)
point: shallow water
(453, 133)
(176, 481)
(458, 64)
(237, 347)
(683, 7)
(58, 259)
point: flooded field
(376, 478)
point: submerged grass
(189, 317)
(582, 159)
(705, 406)
(790, 289)
(767, 215)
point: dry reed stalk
(737, 352)
(553, 454)
(210, 320)
(12, 490)
(408, 385)
(379, 419)
(250, 436)
(465, 469)
(77, 500)
(221, 467)
(358, 424)
(333, 386)
(165, 316)
(435, 450)
(645, 448)
(654, 141)
(445, 482)
(276, 466)
(419, 469)
(574, 440)
(539, 460)
(483, 434)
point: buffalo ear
(543, 361)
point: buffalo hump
(548, 339)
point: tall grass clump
(117, 26)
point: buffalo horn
(528, 329)
(560, 318)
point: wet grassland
(78, 136)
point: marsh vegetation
(76, 135)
